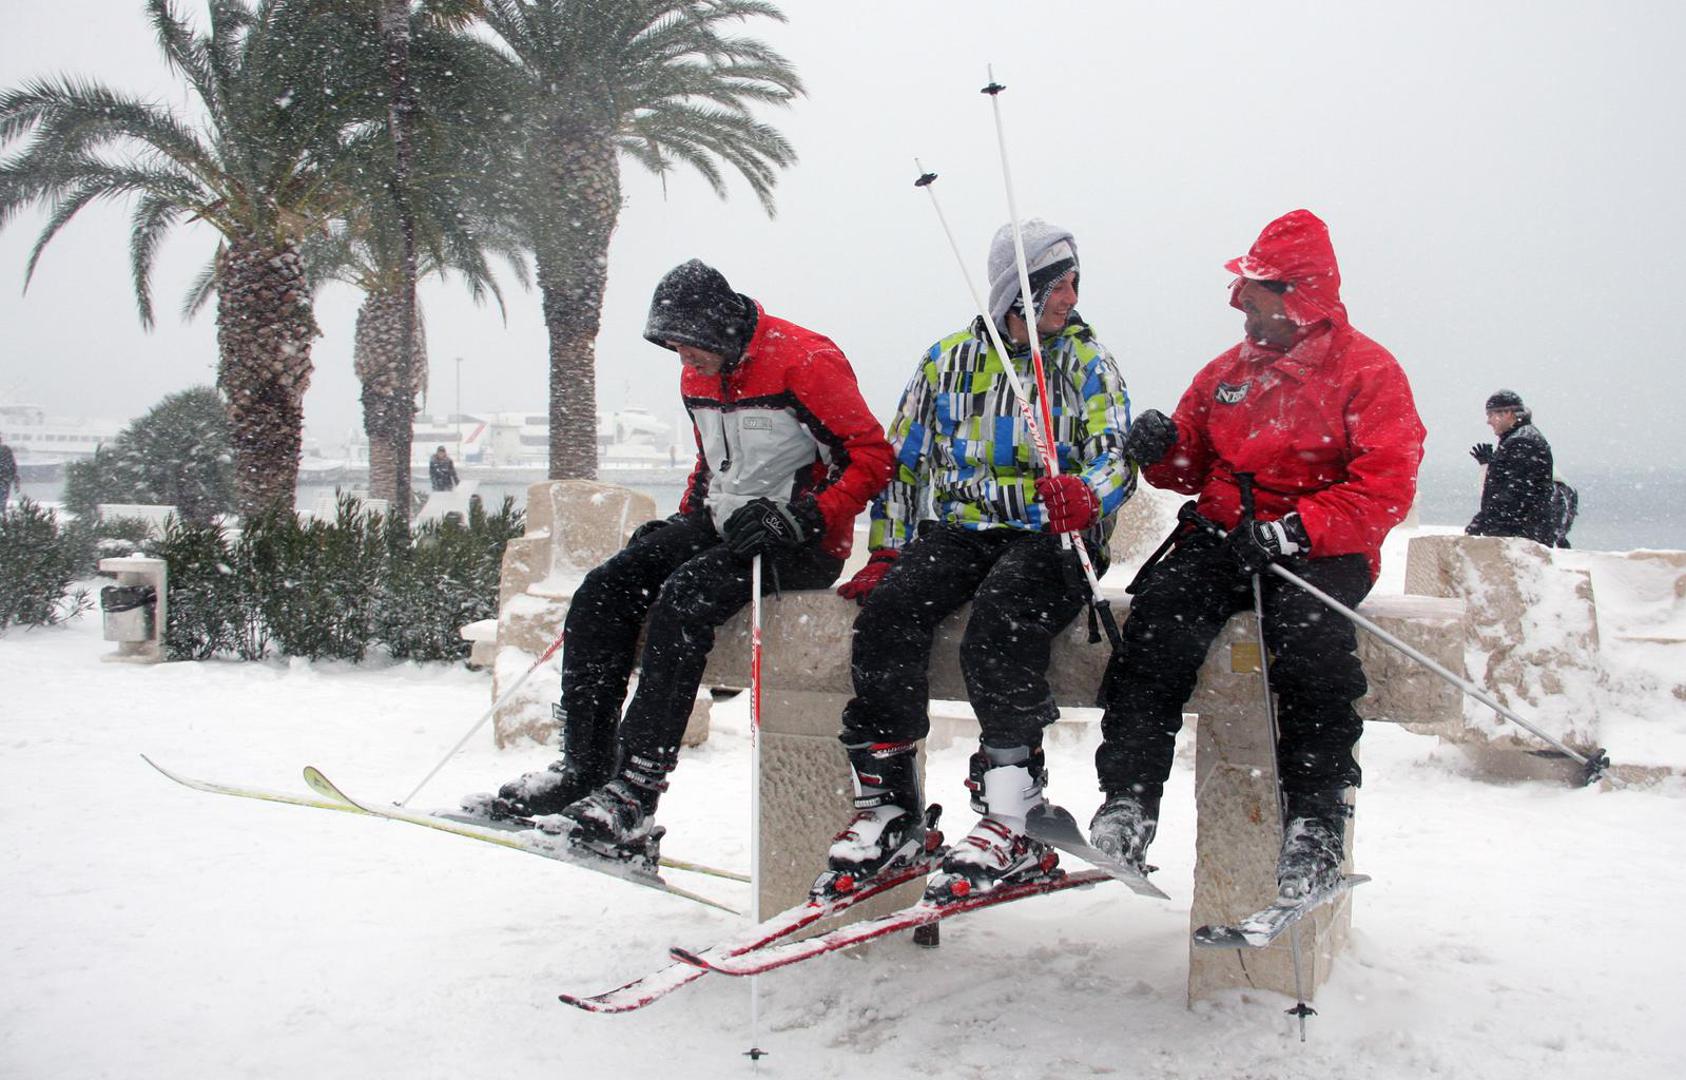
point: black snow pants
(685, 583)
(1023, 590)
(1179, 609)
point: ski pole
(755, 1053)
(1044, 448)
(1244, 480)
(1071, 540)
(489, 713)
(1596, 765)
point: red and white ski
(772, 957)
(658, 984)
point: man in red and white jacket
(1323, 419)
(787, 455)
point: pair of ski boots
(889, 831)
(1313, 838)
(598, 811)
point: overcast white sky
(1502, 179)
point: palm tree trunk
(265, 326)
(395, 35)
(573, 256)
(389, 397)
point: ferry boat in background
(44, 444)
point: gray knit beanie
(1050, 253)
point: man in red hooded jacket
(1322, 420)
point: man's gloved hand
(762, 525)
(645, 530)
(1069, 502)
(1482, 452)
(1151, 437)
(867, 577)
(1254, 545)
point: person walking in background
(991, 537)
(1322, 418)
(441, 472)
(8, 474)
(1516, 498)
(788, 454)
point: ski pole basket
(130, 612)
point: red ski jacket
(785, 421)
(1328, 427)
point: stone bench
(805, 785)
(806, 792)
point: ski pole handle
(1244, 480)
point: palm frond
(154, 215)
(204, 287)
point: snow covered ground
(152, 931)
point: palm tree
(662, 81)
(445, 112)
(280, 120)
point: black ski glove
(762, 525)
(1151, 437)
(1482, 452)
(646, 529)
(1254, 545)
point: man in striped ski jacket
(972, 516)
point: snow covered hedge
(333, 589)
(39, 559)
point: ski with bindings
(1267, 924)
(639, 871)
(772, 957)
(335, 802)
(1054, 825)
(658, 984)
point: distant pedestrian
(1516, 499)
(8, 474)
(441, 471)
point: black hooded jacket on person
(1516, 499)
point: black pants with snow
(1023, 592)
(1179, 609)
(685, 583)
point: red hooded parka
(1327, 427)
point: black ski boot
(889, 829)
(1006, 785)
(617, 821)
(1313, 843)
(1124, 826)
(587, 763)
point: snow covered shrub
(445, 579)
(176, 455)
(39, 559)
(207, 601)
(316, 582)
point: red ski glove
(867, 577)
(1069, 502)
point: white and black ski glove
(761, 526)
(1256, 544)
(1152, 434)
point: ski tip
(1220, 937)
(686, 956)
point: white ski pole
(1041, 443)
(755, 1052)
(1596, 765)
(478, 724)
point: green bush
(39, 559)
(176, 455)
(333, 590)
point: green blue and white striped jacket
(963, 455)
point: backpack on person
(1565, 503)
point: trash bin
(130, 612)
